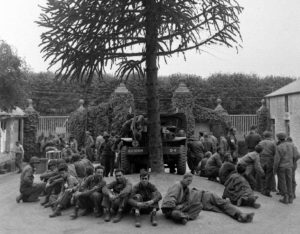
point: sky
(270, 46)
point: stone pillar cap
(182, 88)
(121, 88)
(81, 107)
(30, 106)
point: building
(284, 106)
(11, 130)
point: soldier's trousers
(268, 181)
(138, 198)
(189, 212)
(31, 194)
(212, 202)
(91, 201)
(285, 181)
(117, 204)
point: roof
(291, 88)
(17, 112)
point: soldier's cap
(34, 160)
(88, 132)
(281, 136)
(258, 148)
(62, 167)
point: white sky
(270, 30)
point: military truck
(134, 154)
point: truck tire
(124, 162)
(181, 162)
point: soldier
(289, 139)
(73, 144)
(195, 153)
(252, 139)
(144, 199)
(19, 154)
(285, 156)
(238, 189)
(226, 169)
(201, 167)
(88, 144)
(180, 204)
(267, 161)
(213, 166)
(89, 193)
(107, 154)
(30, 191)
(116, 195)
(68, 187)
(232, 144)
(252, 163)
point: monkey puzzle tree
(84, 36)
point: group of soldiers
(80, 185)
(254, 171)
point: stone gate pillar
(183, 100)
(31, 122)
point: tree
(86, 35)
(12, 78)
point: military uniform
(213, 165)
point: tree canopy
(12, 78)
(85, 35)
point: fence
(58, 124)
(53, 125)
(242, 123)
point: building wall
(278, 112)
(8, 141)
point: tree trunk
(155, 143)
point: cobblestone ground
(272, 217)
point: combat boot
(106, 215)
(46, 201)
(291, 198)
(75, 214)
(285, 199)
(245, 218)
(118, 217)
(19, 198)
(137, 217)
(57, 212)
(153, 218)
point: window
(286, 103)
(287, 127)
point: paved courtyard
(272, 217)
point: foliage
(30, 134)
(12, 78)
(83, 35)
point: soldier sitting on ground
(213, 166)
(89, 193)
(226, 169)
(67, 190)
(30, 191)
(180, 204)
(116, 195)
(202, 164)
(144, 199)
(238, 189)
